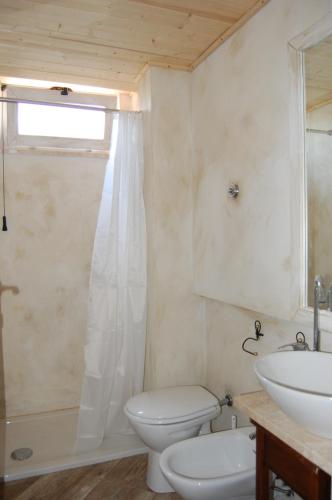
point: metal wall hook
(300, 338)
(233, 191)
(258, 334)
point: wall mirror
(318, 161)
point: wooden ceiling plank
(189, 11)
(318, 74)
(185, 32)
(51, 57)
(182, 46)
(220, 10)
(63, 70)
(198, 31)
(83, 47)
(37, 74)
(44, 11)
(139, 17)
(115, 39)
(229, 32)
(233, 9)
(319, 103)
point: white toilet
(218, 466)
(166, 416)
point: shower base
(51, 436)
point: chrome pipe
(319, 298)
(226, 401)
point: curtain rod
(10, 100)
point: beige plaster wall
(52, 204)
(52, 210)
(231, 369)
(176, 341)
(241, 131)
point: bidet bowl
(300, 383)
(219, 466)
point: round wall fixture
(233, 191)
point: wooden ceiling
(318, 74)
(111, 42)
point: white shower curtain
(115, 347)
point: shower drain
(21, 453)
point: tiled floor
(122, 479)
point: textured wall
(241, 125)
(175, 352)
(241, 133)
(52, 208)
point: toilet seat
(165, 416)
(171, 405)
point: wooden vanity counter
(303, 460)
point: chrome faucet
(319, 298)
(329, 298)
(299, 345)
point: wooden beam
(229, 32)
(189, 11)
(319, 104)
(14, 71)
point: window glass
(52, 121)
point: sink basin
(300, 383)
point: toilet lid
(171, 404)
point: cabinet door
(298, 472)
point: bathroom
(215, 265)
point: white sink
(300, 383)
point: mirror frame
(311, 36)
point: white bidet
(219, 466)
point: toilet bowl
(218, 466)
(165, 416)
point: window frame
(17, 142)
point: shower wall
(251, 68)
(52, 204)
(176, 342)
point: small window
(55, 127)
(51, 121)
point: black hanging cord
(4, 220)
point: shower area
(48, 293)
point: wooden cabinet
(304, 477)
